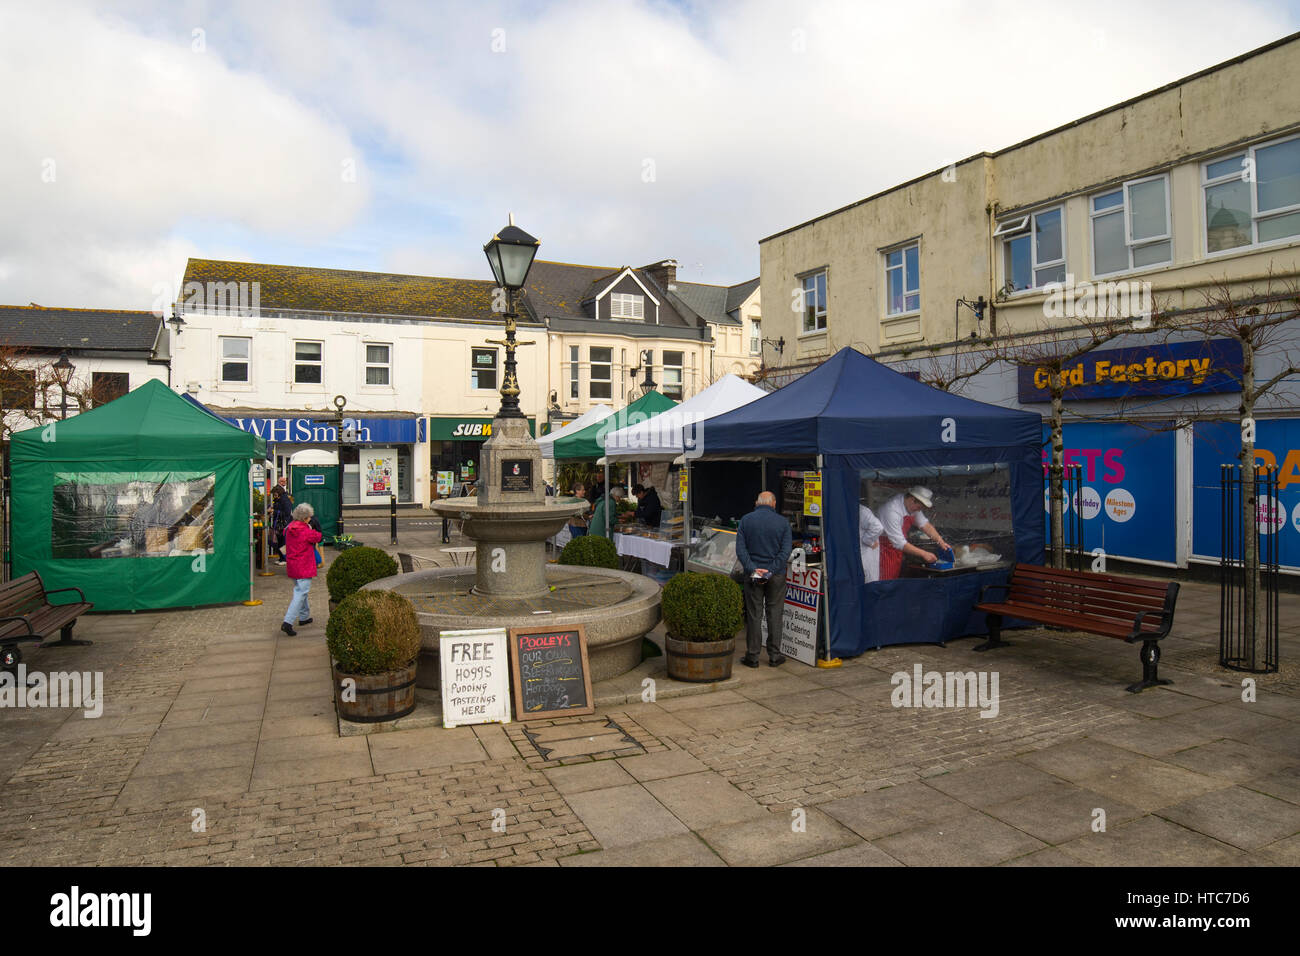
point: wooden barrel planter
(699, 662)
(385, 696)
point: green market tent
(142, 503)
(589, 443)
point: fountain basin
(615, 608)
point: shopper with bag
(281, 515)
(301, 538)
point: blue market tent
(862, 417)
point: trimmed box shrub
(590, 551)
(355, 567)
(702, 607)
(371, 632)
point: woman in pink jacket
(300, 540)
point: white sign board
(475, 677)
(803, 597)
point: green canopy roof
(151, 423)
(590, 442)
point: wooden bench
(1131, 609)
(26, 615)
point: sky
(397, 137)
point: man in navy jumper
(763, 547)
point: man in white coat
(869, 531)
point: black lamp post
(177, 322)
(648, 363)
(510, 253)
(63, 370)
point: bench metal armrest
(80, 593)
(992, 587)
(1166, 622)
(26, 620)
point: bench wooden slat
(26, 598)
(1091, 579)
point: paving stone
(822, 701)
(1154, 737)
(590, 776)
(1150, 841)
(892, 809)
(167, 761)
(1284, 852)
(993, 783)
(1150, 784)
(291, 773)
(618, 816)
(1061, 813)
(1049, 857)
(1241, 818)
(682, 850)
(704, 799)
(863, 854)
(711, 719)
(195, 787)
(1080, 759)
(668, 763)
(417, 750)
(1285, 784)
(771, 839)
(969, 839)
(721, 698)
(1231, 760)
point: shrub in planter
(702, 613)
(374, 638)
(355, 567)
(590, 551)
(703, 607)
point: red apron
(891, 559)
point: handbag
(316, 551)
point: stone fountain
(511, 584)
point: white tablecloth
(659, 552)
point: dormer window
(626, 306)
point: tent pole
(252, 570)
(826, 661)
(607, 497)
(686, 512)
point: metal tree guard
(1240, 631)
(1076, 555)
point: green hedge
(355, 567)
(372, 632)
(590, 551)
(703, 607)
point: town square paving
(218, 744)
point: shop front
(383, 460)
(454, 447)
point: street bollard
(392, 518)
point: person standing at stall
(301, 538)
(869, 535)
(763, 544)
(648, 510)
(899, 515)
(578, 523)
(603, 505)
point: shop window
(17, 388)
(970, 509)
(163, 514)
(601, 384)
(483, 370)
(1242, 209)
(107, 386)
(814, 303)
(1033, 250)
(1131, 227)
(308, 363)
(235, 357)
(379, 364)
(672, 387)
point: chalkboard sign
(551, 673)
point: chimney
(665, 273)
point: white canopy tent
(596, 414)
(672, 436)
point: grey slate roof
(34, 327)
(558, 290)
(738, 293)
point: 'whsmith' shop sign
(1180, 368)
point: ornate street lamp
(63, 370)
(510, 253)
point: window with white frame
(903, 279)
(379, 364)
(601, 380)
(623, 305)
(235, 354)
(308, 363)
(673, 375)
(814, 302)
(1131, 227)
(573, 372)
(1252, 197)
(483, 368)
(1033, 249)
(755, 337)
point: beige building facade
(1178, 190)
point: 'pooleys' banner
(1179, 368)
